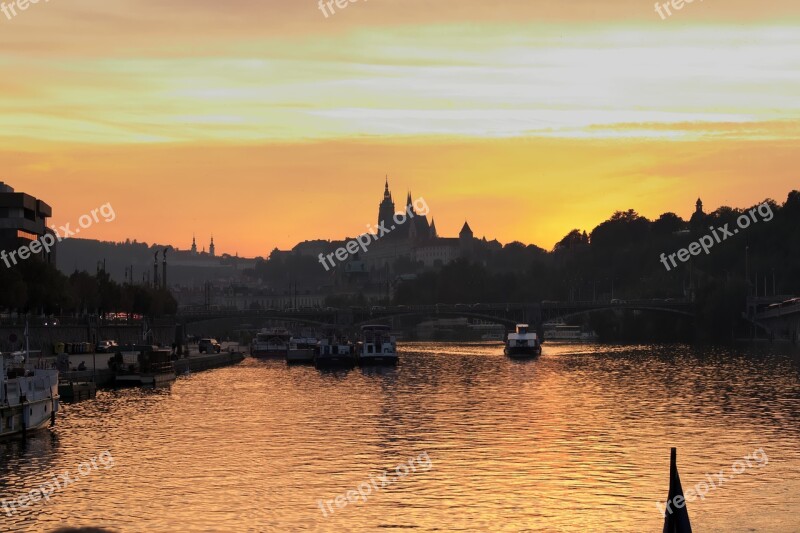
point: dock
(104, 378)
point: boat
(270, 343)
(377, 346)
(29, 397)
(335, 352)
(76, 391)
(676, 513)
(523, 343)
(302, 350)
(142, 365)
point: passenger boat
(29, 397)
(523, 343)
(142, 365)
(302, 350)
(377, 346)
(335, 352)
(271, 343)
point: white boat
(301, 350)
(523, 343)
(28, 395)
(270, 343)
(377, 346)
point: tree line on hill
(38, 288)
(621, 258)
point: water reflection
(565, 442)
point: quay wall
(196, 363)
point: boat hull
(523, 352)
(39, 416)
(300, 356)
(378, 359)
(77, 391)
(335, 361)
(155, 380)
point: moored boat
(335, 352)
(301, 351)
(29, 397)
(377, 346)
(523, 343)
(142, 365)
(270, 343)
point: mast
(27, 342)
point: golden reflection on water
(575, 441)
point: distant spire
(387, 195)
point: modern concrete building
(23, 219)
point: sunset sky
(267, 123)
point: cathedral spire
(387, 194)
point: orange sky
(267, 124)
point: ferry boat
(377, 346)
(142, 365)
(271, 343)
(335, 352)
(29, 397)
(301, 350)
(523, 343)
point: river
(578, 440)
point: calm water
(575, 441)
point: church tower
(386, 208)
(194, 245)
(212, 248)
(410, 206)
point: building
(23, 219)
(416, 239)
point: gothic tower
(194, 245)
(386, 208)
(212, 248)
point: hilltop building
(416, 240)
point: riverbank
(103, 377)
